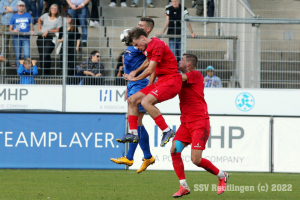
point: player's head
(147, 24)
(138, 38)
(188, 62)
(175, 3)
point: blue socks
(143, 142)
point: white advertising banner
(286, 137)
(235, 144)
(103, 99)
(31, 97)
(236, 101)
(229, 101)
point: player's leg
(181, 140)
(149, 104)
(176, 149)
(200, 132)
(133, 118)
(144, 143)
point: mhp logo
(156, 135)
(105, 95)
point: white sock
(134, 131)
(183, 183)
(221, 174)
(166, 130)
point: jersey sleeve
(185, 12)
(194, 76)
(167, 13)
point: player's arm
(149, 70)
(141, 68)
(152, 78)
(184, 77)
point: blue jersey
(133, 59)
(21, 22)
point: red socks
(133, 122)
(178, 165)
(208, 166)
(160, 122)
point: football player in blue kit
(135, 62)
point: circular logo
(22, 25)
(244, 102)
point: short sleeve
(193, 76)
(59, 22)
(44, 16)
(167, 13)
(185, 12)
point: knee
(132, 101)
(196, 160)
(144, 102)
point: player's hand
(193, 35)
(128, 77)
(133, 73)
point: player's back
(158, 51)
(192, 103)
(133, 59)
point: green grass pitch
(126, 184)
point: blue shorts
(134, 89)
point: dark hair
(94, 52)
(120, 58)
(57, 14)
(72, 23)
(191, 58)
(134, 34)
(149, 21)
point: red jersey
(192, 102)
(158, 51)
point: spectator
(73, 46)
(51, 24)
(49, 3)
(210, 8)
(173, 23)
(92, 68)
(95, 14)
(7, 8)
(36, 11)
(212, 80)
(21, 22)
(120, 70)
(78, 10)
(26, 72)
(113, 3)
(136, 2)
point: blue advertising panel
(70, 141)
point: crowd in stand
(20, 16)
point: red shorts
(195, 133)
(166, 87)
